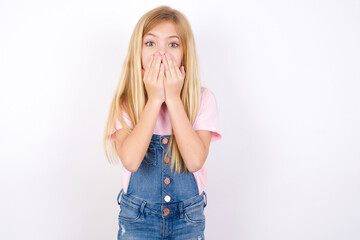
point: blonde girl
(160, 125)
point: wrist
(155, 102)
(174, 100)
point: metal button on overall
(165, 141)
(167, 160)
(167, 198)
(167, 181)
(166, 211)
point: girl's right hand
(153, 78)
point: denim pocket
(195, 213)
(150, 156)
(128, 212)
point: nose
(162, 52)
(161, 49)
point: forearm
(137, 142)
(189, 143)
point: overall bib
(160, 204)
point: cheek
(144, 63)
(145, 60)
(178, 60)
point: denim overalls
(160, 204)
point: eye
(147, 43)
(150, 42)
(175, 43)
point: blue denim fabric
(152, 209)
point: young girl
(160, 125)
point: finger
(161, 72)
(156, 68)
(152, 68)
(167, 68)
(151, 61)
(172, 67)
(149, 69)
(178, 71)
(182, 70)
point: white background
(286, 76)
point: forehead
(163, 30)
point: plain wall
(286, 79)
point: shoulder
(204, 90)
(206, 93)
(207, 97)
(207, 118)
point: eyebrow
(172, 36)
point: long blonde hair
(131, 95)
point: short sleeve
(207, 118)
(119, 126)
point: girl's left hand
(174, 78)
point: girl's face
(162, 38)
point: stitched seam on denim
(151, 161)
(153, 214)
(130, 219)
(192, 206)
(136, 207)
(194, 221)
(137, 201)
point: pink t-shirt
(207, 119)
